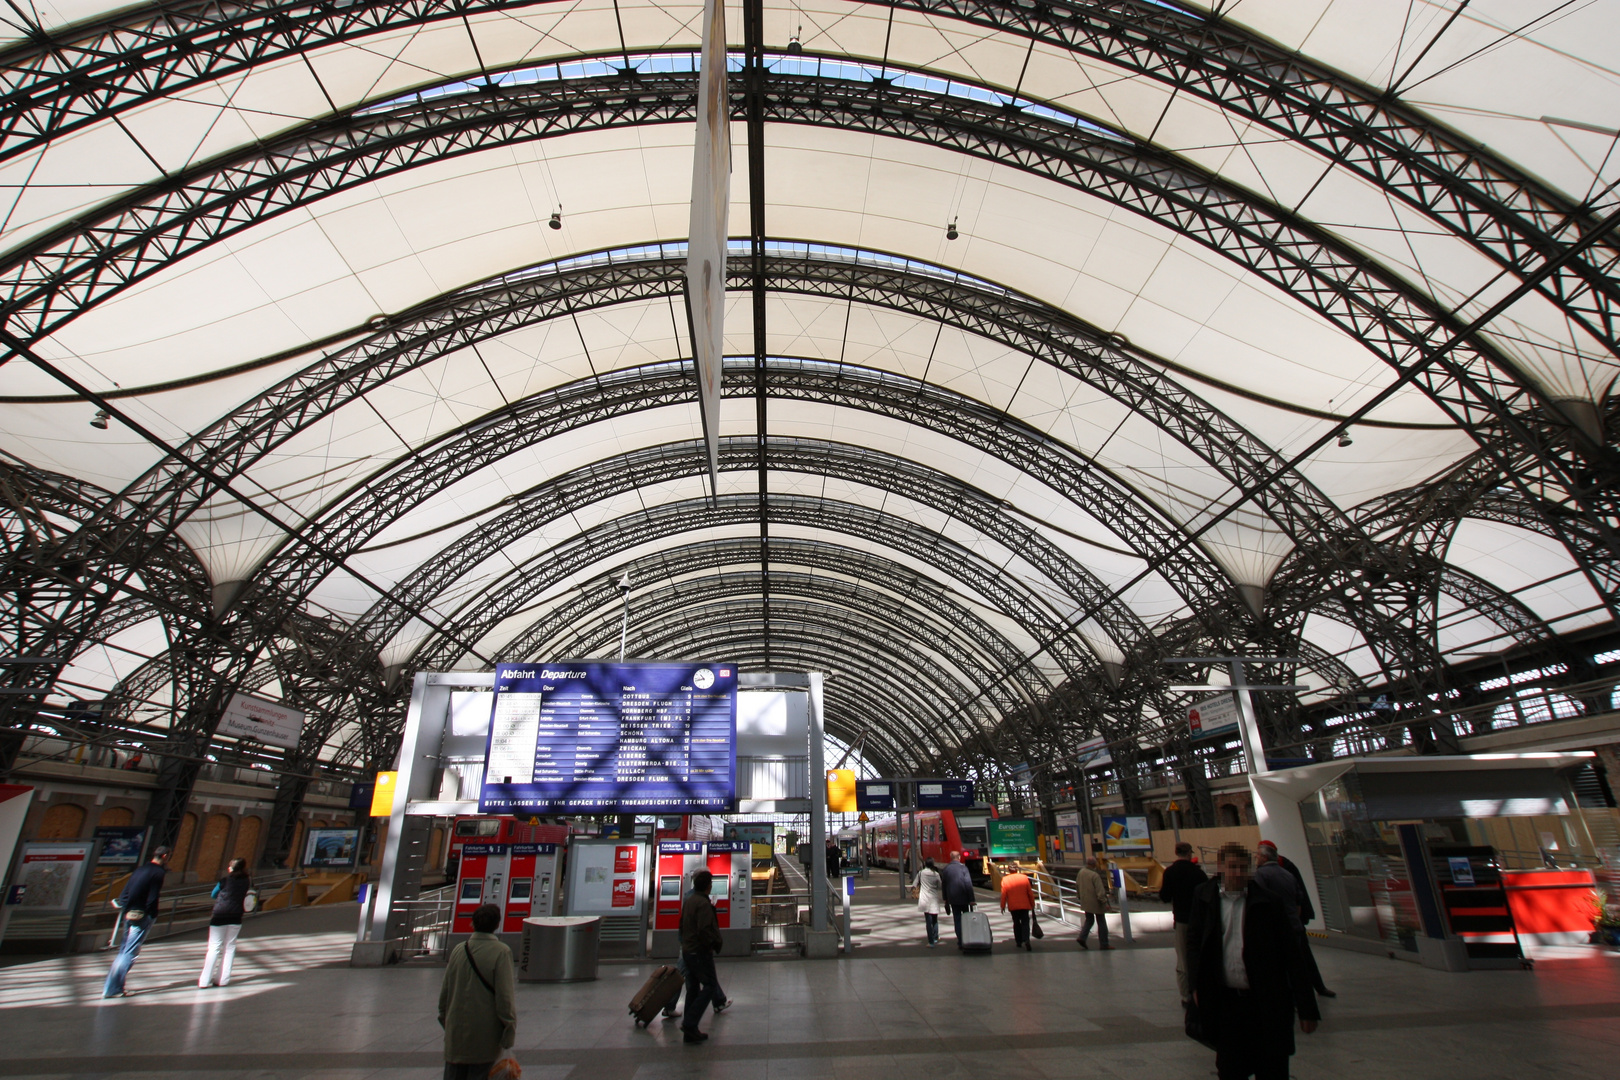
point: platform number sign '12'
(588, 737)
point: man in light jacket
(477, 1000)
(958, 883)
(1092, 893)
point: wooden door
(182, 843)
(116, 815)
(64, 821)
(211, 850)
(247, 840)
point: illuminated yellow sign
(841, 791)
(382, 796)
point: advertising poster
(606, 878)
(593, 737)
(708, 228)
(1216, 715)
(1012, 838)
(1127, 836)
(121, 844)
(332, 847)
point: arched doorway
(115, 816)
(182, 843)
(211, 849)
(1229, 816)
(247, 839)
(64, 821)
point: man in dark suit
(957, 883)
(1181, 880)
(1248, 977)
(1288, 885)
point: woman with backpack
(230, 904)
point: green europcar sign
(1012, 837)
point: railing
(1049, 893)
(427, 924)
(182, 904)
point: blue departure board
(589, 737)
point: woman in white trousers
(230, 904)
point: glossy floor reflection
(296, 1009)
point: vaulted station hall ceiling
(1089, 334)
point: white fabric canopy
(219, 326)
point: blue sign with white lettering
(944, 794)
(590, 737)
(874, 794)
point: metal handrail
(428, 922)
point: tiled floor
(297, 1010)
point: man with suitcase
(700, 940)
(957, 883)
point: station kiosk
(520, 879)
(731, 863)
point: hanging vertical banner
(706, 248)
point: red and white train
(938, 832)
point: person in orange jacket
(1018, 897)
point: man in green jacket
(700, 940)
(477, 1000)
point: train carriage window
(478, 827)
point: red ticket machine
(732, 892)
(520, 879)
(481, 878)
(531, 885)
(678, 860)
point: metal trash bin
(560, 948)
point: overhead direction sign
(591, 736)
(944, 794)
(874, 794)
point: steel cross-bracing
(645, 387)
(1295, 516)
(1384, 313)
(59, 81)
(570, 492)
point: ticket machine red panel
(471, 883)
(677, 859)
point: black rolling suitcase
(659, 990)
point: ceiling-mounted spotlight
(100, 419)
(556, 218)
(377, 322)
(950, 230)
(1345, 439)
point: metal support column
(818, 810)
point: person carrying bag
(478, 1005)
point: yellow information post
(841, 791)
(382, 796)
